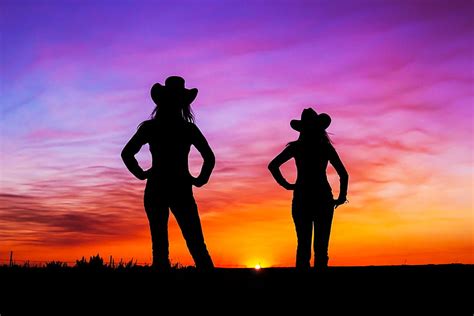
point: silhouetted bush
(56, 265)
(126, 265)
(95, 263)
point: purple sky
(396, 77)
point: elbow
(210, 159)
(272, 166)
(344, 176)
(124, 154)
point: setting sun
(257, 267)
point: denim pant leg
(304, 232)
(322, 232)
(157, 212)
(186, 212)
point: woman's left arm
(201, 144)
(343, 176)
(131, 149)
(275, 164)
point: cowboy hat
(309, 117)
(173, 84)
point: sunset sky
(397, 77)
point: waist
(313, 187)
(168, 176)
(170, 184)
(169, 171)
(309, 181)
(312, 195)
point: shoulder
(294, 145)
(192, 128)
(190, 125)
(291, 148)
(145, 127)
(146, 124)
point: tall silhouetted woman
(170, 133)
(313, 203)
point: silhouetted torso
(311, 164)
(169, 143)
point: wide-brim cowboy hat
(310, 118)
(174, 86)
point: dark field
(406, 290)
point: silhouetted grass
(94, 263)
(55, 265)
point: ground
(438, 289)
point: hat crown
(309, 115)
(175, 82)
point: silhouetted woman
(313, 202)
(170, 133)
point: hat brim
(296, 125)
(158, 92)
(191, 94)
(323, 122)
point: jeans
(158, 200)
(308, 211)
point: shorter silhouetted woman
(170, 134)
(313, 203)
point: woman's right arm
(275, 165)
(131, 149)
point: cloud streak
(394, 78)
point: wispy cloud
(394, 77)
